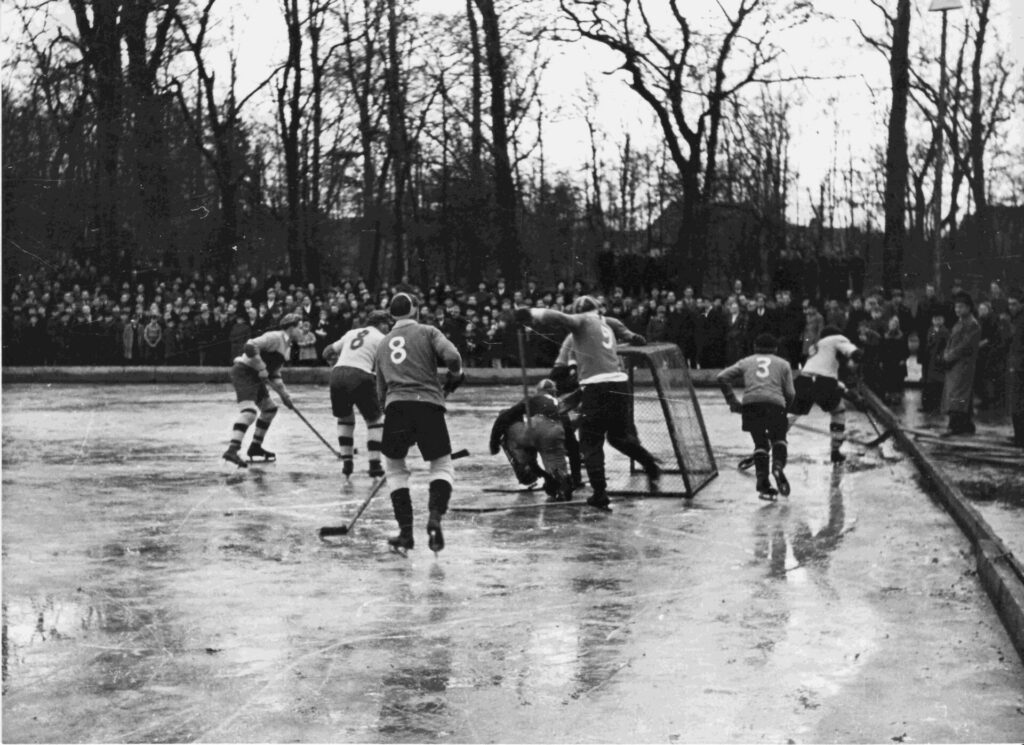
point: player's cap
(585, 304)
(547, 385)
(378, 318)
(830, 331)
(288, 320)
(765, 343)
(403, 305)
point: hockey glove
(523, 317)
(286, 399)
(638, 340)
(452, 381)
(735, 407)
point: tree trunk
(505, 197)
(896, 164)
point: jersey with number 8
(767, 378)
(407, 363)
(358, 348)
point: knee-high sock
(346, 429)
(837, 427)
(780, 451)
(262, 424)
(245, 419)
(374, 430)
(401, 503)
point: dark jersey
(407, 361)
(767, 378)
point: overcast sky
(848, 110)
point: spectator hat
(403, 305)
(963, 297)
(288, 320)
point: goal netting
(669, 422)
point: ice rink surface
(154, 593)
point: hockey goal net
(669, 422)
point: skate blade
(767, 496)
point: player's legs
(268, 410)
(549, 436)
(247, 391)
(829, 398)
(622, 434)
(776, 426)
(521, 454)
(593, 426)
(365, 397)
(435, 446)
(341, 407)
(396, 440)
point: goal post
(669, 422)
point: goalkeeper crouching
(531, 428)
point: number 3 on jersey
(397, 347)
(763, 365)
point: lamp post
(940, 6)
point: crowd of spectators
(74, 315)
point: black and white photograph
(512, 371)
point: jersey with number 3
(767, 378)
(407, 362)
(358, 348)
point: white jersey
(358, 348)
(825, 354)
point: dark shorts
(408, 423)
(350, 387)
(765, 417)
(815, 389)
(248, 386)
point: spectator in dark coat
(893, 359)
(934, 374)
(1015, 365)
(736, 333)
(960, 360)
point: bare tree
(677, 69)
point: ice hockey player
(818, 383)
(768, 391)
(414, 413)
(605, 398)
(258, 366)
(354, 383)
(531, 428)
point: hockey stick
(315, 432)
(522, 368)
(332, 530)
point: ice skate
(600, 501)
(837, 457)
(231, 455)
(746, 463)
(256, 452)
(376, 469)
(435, 537)
(781, 481)
(653, 472)
(401, 543)
(765, 490)
(346, 468)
